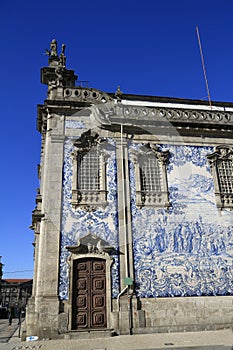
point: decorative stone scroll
(91, 244)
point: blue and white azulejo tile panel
(186, 250)
(74, 124)
(77, 223)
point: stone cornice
(156, 114)
(171, 100)
(109, 113)
(164, 121)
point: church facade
(133, 220)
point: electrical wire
(16, 271)
(203, 66)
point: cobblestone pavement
(208, 340)
(6, 331)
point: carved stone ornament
(222, 152)
(152, 149)
(91, 244)
(86, 141)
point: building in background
(1, 266)
(14, 294)
(3, 312)
(133, 219)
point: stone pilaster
(47, 275)
(124, 215)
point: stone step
(89, 334)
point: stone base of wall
(30, 326)
(183, 314)
(159, 315)
(44, 322)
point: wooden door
(89, 294)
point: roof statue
(62, 57)
(118, 94)
(53, 49)
(53, 55)
(56, 74)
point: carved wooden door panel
(89, 294)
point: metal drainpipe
(127, 271)
(118, 305)
(130, 312)
(124, 205)
(118, 298)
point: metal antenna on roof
(203, 66)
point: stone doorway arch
(90, 291)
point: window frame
(155, 198)
(89, 199)
(221, 154)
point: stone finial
(118, 94)
(62, 57)
(63, 47)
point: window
(89, 172)
(222, 170)
(151, 177)
(150, 174)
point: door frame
(108, 261)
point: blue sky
(147, 47)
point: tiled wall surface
(185, 250)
